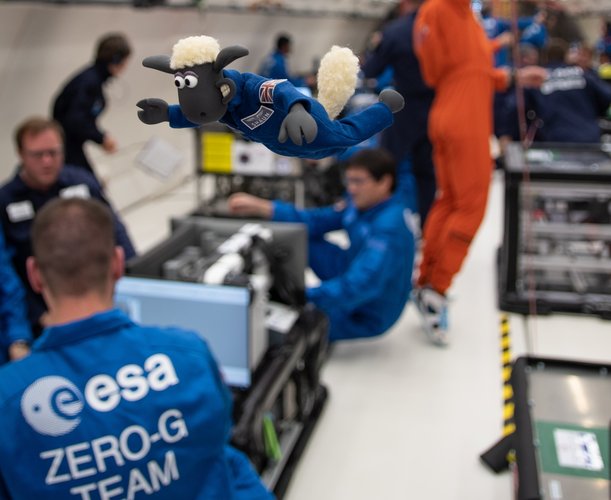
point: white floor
(406, 419)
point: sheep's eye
(191, 81)
(179, 81)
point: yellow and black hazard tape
(509, 426)
(501, 454)
(508, 406)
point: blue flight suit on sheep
(260, 106)
(364, 288)
(149, 416)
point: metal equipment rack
(556, 250)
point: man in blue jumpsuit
(274, 66)
(407, 137)
(40, 177)
(15, 332)
(364, 288)
(260, 106)
(102, 407)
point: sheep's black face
(200, 99)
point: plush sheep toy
(272, 112)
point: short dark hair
(112, 48)
(556, 51)
(34, 126)
(282, 41)
(377, 161)
(73, 243)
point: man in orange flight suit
(456, 60)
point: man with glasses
(40, 177)
(364, 287)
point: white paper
(578, 450)
(280, 317)
(160, 158)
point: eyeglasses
(39, 155)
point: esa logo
(52, 405)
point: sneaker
(433, 308)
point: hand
(374, 40)
(247, 204)
(297, 124)
(531, 76)
(504, 141)
(109, 144)
(45, 319)
(18, 350)
(153, 111)
(504, 39)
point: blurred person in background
(81, 100)
(456, 61)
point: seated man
(15, 332)
(363, 288)
(102, 407)
(40, 177)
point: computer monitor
(219, 314)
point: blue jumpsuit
(407, 138)
(363, 289)
(104, 408)
(18, 206)
(274, 67)
(568, 104)
(258, 113)
(535, 34)
(14, 325)
(494, 26)
(77, 108)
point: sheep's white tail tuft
(337, 76)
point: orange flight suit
(456, 59)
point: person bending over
(103, 407)
(81, 100)
(364, 287)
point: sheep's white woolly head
(194, 50)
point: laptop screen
(219, 314)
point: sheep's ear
(228, 55)
(161, 63)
